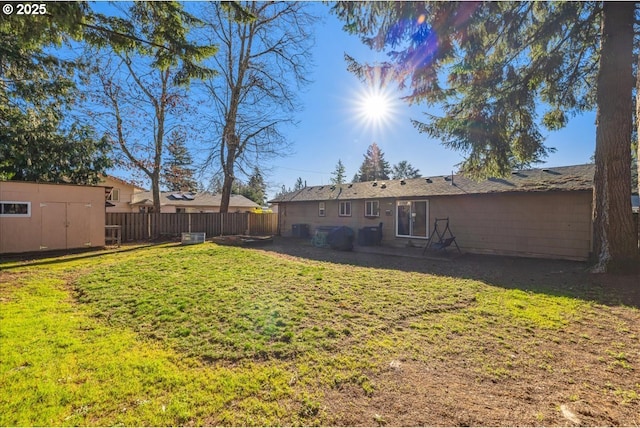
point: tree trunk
(638, 143)
(614, 243)
(155, 191)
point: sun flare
(375, 107)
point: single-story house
(120, 194)
(535, 213)
(40, 217)
(190, 202)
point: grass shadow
(552, 277)
(16, 261)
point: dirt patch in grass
(583, 373)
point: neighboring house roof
(190, 199)
(578, 177)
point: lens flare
(376, 107)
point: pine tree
(491, 65)
(404, 169)
(177, 171)
(39, 139)
(255, 189)
(339, 175)
(299, 184)
(374, 167)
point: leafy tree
(255, 189)
(490, 65)
(177, 169)
(404, 169)
(374, 167)
(39, 139)
(142, 80)
(339, 174)
(262, 65)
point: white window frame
(344, 209)
(112, 198)
(322, 209)
(410, 203)
(28, 213)
(371, 208)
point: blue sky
(331, 126)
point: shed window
(321, 209)
(345, 209)
(371, 209)
(114, 195)
(15, 209)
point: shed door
(78, 225)
(53, 222)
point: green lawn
(213, 335)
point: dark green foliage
(177, 169)
(374, 167)
(338, 176)
(404, 169)
(39, 140)
(255, 189)
(487, 65)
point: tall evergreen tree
(255, 189)
(39, 139)
(299, 184)
(374, 167)
(404, 169)
(490, 65)
(177, 171)
(339, 175)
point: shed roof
(188, 199)
(577, 177)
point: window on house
(114, 196)
(15, 209)
(371, 209)
(345, 209)
(321, 209)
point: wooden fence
(143, 226)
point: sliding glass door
(412, 219)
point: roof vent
(447, 178)
(546, 170)
(350, 185)
(383, 186)
(402, 182)
(333, 188)
(375, 183)
(428, 180)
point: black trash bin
(300, 230)
(341, 238)
(370, 235)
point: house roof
(121, 181)
(577, 177)
(190, 199)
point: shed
(43, 216)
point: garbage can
(300, 230)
